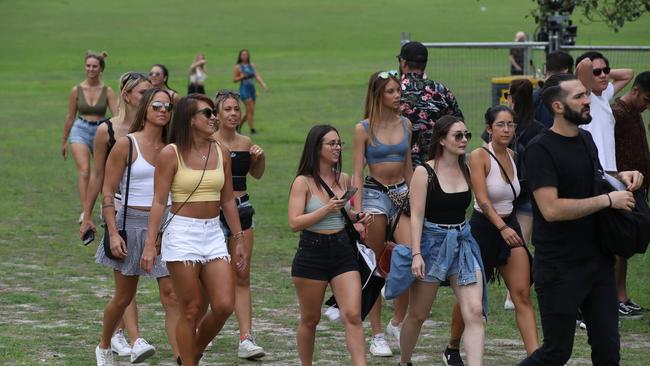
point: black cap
(414, 51)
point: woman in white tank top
(494, 223)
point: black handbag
(371, 285)
(622, 233)
(106, 241)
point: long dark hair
(522, 95)
(165, 74)
(181, 126)
(239, 56)
(310, 159)
(440, 131)
(141, 114)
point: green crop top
(99, 109)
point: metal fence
(474, 70)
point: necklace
(204, 157)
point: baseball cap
(414, 51)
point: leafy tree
(614, 13)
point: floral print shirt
(423, 101)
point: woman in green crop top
(88, 103)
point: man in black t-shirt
(570, 270)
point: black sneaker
(633, 306)
(451, 357)
(624, 312)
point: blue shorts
(525, 208)
(247, 92)
(375, 201)
(83, 132)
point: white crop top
(141, 183)
(499, 191)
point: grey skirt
(136, 233)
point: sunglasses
(207, 112)
(458, 136)
(157, 106)
(155, 73)
(226, 93)
(386, 74)
(606, 70)
(334, 144)
(133, 76)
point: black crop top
(445, 208)
(241, 164)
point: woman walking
(195, 169)
(159, 76)
(130, 166)
(246, 158)
(197, 75)
(89, 102)
(494, 224)
(442, 246)
(132, 87)
(245, 73)
(325, 254)
(382, 141)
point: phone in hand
(349, 193)
(89, 236)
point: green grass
(316, 57)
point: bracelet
(108, 205)
(237, 235)
(414, 254)
(610, 200)
(503, 227)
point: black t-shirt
(553, 160)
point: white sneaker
(508, 304)
(119, 344)
(104, 357)
(333, 313)
(81, 218)
(249, 349)
(141, 350)
(379, 347)
(393, 330)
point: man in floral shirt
(423, 100)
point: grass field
(316, 57)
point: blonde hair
(375, 109)
(99, 56)
(128, 81)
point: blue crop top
(378, 152)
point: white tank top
(499, 191)
(141, 183)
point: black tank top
(241, 164)
(445, 208)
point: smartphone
(349, 193)
(89, 236)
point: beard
(575, 117)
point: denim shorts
(375, 201)
(83, 132)
(322, 257)
(525, 208)
(191, 240)
(246, 212)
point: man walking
(570, 270)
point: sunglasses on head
(226, 93)
(599, 71)
(458, 136)
(133, 76)
(386, 74)
(157, 106)
(207, 112)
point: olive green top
(99, 109)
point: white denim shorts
(191, 240)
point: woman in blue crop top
(442, 246)
(325, 254)
(382, 141)
(246, 158)
(245, 74)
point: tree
(614, 13)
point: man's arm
(620, 78)
(565, 209)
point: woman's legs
(516, 274)
(130, 320)
(347, 290)
(402, 236)
(526, 223)
(310, 299)
(81, 155)
(217, 279)
(421, 295)
(187, 287)
(243, 303)
(125, 288)
(375, 237)
(172, 312)
(249, 117)
(470, 300)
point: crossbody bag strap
(128, 181)
(331, 195)
(514, 192)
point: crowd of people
(173, 172)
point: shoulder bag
(106, 241)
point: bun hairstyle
(99, 56)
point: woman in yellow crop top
(196, 170)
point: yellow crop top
(186, 179)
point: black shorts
(323, 256)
